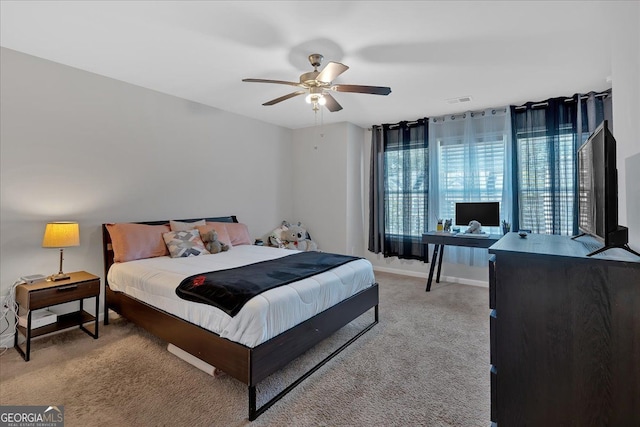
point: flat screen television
(486, 213)
(598, 191)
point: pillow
(183, 226)
(223, 236)
(137, 241)
(184, 243)
(237, 231)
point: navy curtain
(546, 137)
(376, 191)
(399, 185)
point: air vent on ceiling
(459, 100)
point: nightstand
(34, 296)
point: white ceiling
(498, 52)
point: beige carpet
(425, 364)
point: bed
(263, 337)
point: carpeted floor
(425, 364)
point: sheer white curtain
(471, 161)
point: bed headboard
(107, 250)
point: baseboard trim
(400, 272)
(425, 275)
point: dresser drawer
(64, 293)
(493, 346)
(492, 281)
(494, 394)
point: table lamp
(61, 235)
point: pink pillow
(184, 226)
(238, 232)
(137, 241)
(223, 236)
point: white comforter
(155, 280)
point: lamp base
(57, 277)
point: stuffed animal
(211, 242)
(474, 228)
(290, 236)
(275, 238)
(298, 238)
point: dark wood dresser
(565, 333)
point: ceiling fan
(316, 84)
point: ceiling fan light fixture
(313, 98)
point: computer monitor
(486, 213)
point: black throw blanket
(230, 289)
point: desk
(439, 240)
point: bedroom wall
(78, 146)
(356, 177)
(625, 64)
(327, 185)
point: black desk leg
(440, 263)
(434, 259)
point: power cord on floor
(9, 316)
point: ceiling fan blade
(285, 97)
(331, 71)
(331, 104)
(281, 82)
(374, 90)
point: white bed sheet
(155, 280)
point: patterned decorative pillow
(184, 243)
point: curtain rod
(493, 110)
(520, 107)
(472, 113)
(572, 99)
(412, 123)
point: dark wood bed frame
(248, 365)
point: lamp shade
(61, 235)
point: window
(406, 191)
(470, 162)
(546, 182)
(399, 190)
(547, 138)
(471, 159)
(470, 172)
